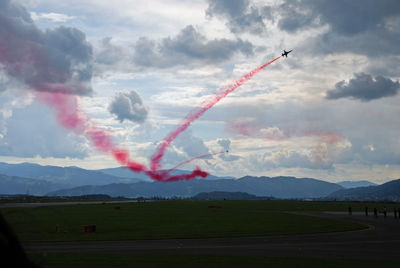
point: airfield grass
(64, 260)
(174, 219)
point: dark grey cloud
(231, 8)
(364, 87)
(4, 79)
(128, 106)
(56, 60)
(110, 57)
(108, 53)
(358, 26)
(366, 27)
(189, 47)
(295, 15)
(347, 17)
(241, 16)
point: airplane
(285, 53)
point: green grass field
(67, 260)
(181, 219)
(174, 219)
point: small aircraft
(285, 53)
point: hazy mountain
(279, 187)
(63, 177)
(388, 191)
(122, 172)
(227, 196)
(75, 176)
(354, 184)
(72, 176)
(18, 185)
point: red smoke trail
(199, 111)
(67, 109)
(69, 115)
(122, 156)
(195, 158)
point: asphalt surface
(381, 240)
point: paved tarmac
(381, 240)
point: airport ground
(209, 233)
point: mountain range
(71, 176)
(17, 185)
(389, 191)
(278, 187)
(38, 180)
(73, 181)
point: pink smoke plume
(69, 115)
(250, 128)
(199, 111)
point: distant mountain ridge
(278, 187)
(39, 180)
(18, 185)
(72, 181)
(228, 196)
(72, 176)
(354, 184)
(389, 191)
(75, 176)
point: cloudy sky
(331, 110)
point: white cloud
(55, 17)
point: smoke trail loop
(70, 116)
(199, 111)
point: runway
(381, 240)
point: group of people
(396, 212)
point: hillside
(355, 184)
(71, 176)
(75, 176)
(18, 185)
(389, 191)
(279, 187)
